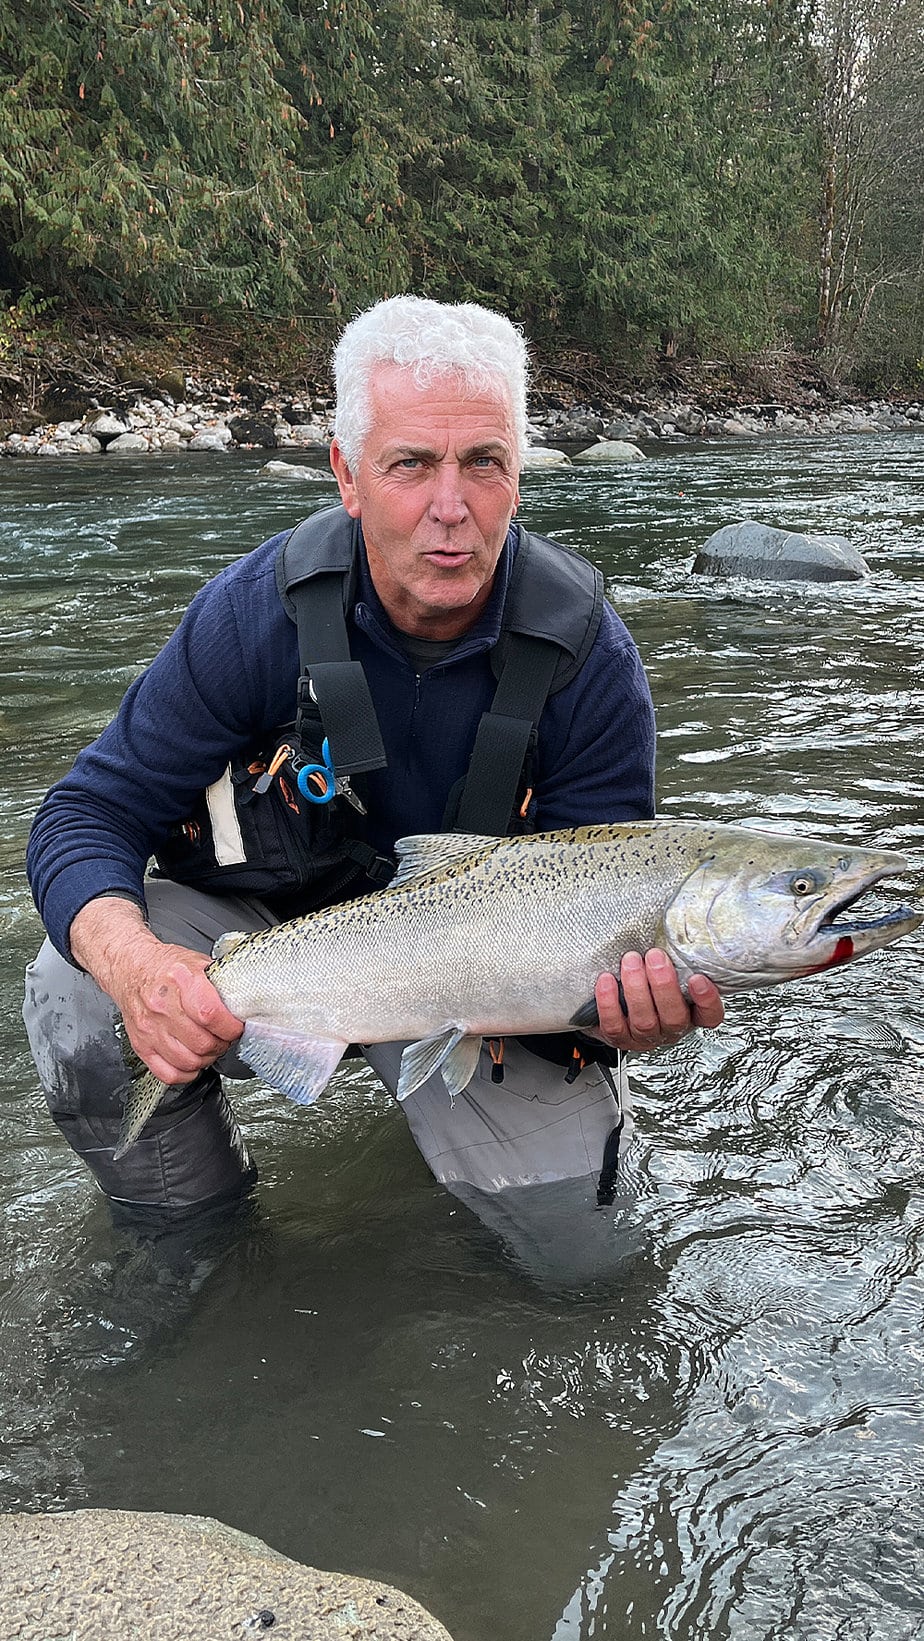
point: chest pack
(261, 829)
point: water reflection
(714, 1432)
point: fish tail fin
(144, 1096)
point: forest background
(639, 182)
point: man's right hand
(175, 1020)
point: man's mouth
(447, 558)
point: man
(430, 431)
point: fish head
(765, 907)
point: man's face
(435, 488)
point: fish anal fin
(421, 1059)
(298, 1066)
(460, 1064)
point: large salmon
(480, 937)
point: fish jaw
(840, 942)
(775, 912)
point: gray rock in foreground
(768, 554)
(126, 1575)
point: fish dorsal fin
(429, 853)
(227, 942)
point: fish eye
(803, 883)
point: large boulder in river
(130, 1573)
(767, 554)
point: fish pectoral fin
(444, 1049)
(587, 1015)
(431, 852)
(297, 1065)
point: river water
(716, 1434)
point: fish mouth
(839, 937)
(831, 919)
(861, 925)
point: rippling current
(715, 1430)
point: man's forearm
(109, 937)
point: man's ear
(345, 481)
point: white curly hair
(431, 339)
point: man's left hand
(657, 1013)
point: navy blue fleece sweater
(228, 676)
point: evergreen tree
(620, 173)
(146, 151)
(686, 222)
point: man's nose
(447, 502)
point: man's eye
(409, 462)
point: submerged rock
(617, 451)
(106, 1573)
(540, 455)
(769, 554)
(291, 470)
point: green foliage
(691, 134)
(24, 327)
(146, 151)
(625, 175)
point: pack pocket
(252, 832)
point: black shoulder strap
(555, 594)
(314, 570)
(552, 615)
(504, 735)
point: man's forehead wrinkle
(479, 447)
